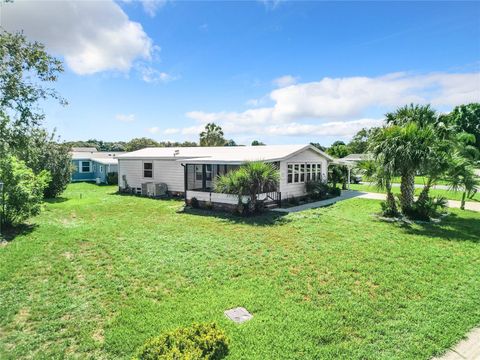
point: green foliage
(257, 143)
(252, 178)
(100, 145)
(23, 190)
(26, 69)
(317, 190)
(318, 146)
(427, 208)
(112, 178)
(212, 136)
(466, 118)
(44, 153)
(198, 342)
(338, 150)
(359, 143)
(141, 143)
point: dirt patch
(98, 336)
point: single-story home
(192, 171)
(92, 165)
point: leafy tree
(140, 143)
(251, 179)
(318, 146)
(257, 143)
(231, 142)
(23, 190)
(26, 69)
(44, 153)
(212, 136)
(466, 118)
(359, 143)
(338, 149)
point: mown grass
(99, 273)
(448, 194)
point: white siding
(169, 172)
(307, 156)
(219, 197)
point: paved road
(348, 194)
(418, 186)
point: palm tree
(381, 176)
(462, 176)
(212, 136)
(252, 178)
(403, 147)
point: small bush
(200, 341)
(317, 190)
(293, 201)
(388, 210)
(334, 191)
(427, 209)
(194, 203)
(112, 178)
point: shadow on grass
(56, 200)
(10, 233)
(268, 218)
(453, 228)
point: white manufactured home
(192, 170)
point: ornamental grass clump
(198, 342)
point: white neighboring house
(192, 170)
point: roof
(356, 157)
(102, 157)
(106, 161)
(222, 154)
(84, 149)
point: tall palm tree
(212, 136)
(402, 149)
(252, 178)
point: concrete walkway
(467, 349)
(348, 194)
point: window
(290, 173)
(208, 172)
(309, 171)
(198, 173)
(101, 168)
(296, 174)
(85, 166)
(314, 172)
(148, 170)
(319, 172)
(302, 172)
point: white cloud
(153, 130)
(127, 118)
(284, 81)
(151, 6)
(93, 36)
(152, 75)
(271, 4)
(336, 104)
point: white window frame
(143, 169)
(300, 173)
(80, 166)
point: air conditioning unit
(148, 189)
(161, 189)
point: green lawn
(98, 273)
(448, 194)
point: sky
(282, 72)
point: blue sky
(280, 72)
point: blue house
(92, 165)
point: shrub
(200, 341)
(426, 209)
(389, 210)
(317, 190)
(194, 203)
(112, 178)
(23, 190)
(334, 191)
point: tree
(405, 144)
(318, 146)
(257, 143)
(380, 174)
(44, 153)
(212, 136)
(26, 69)
(140, 143)
(250, 179)
(23, 190)
(359, 143)
(338, 149)
(466, 118)
(230, 142)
